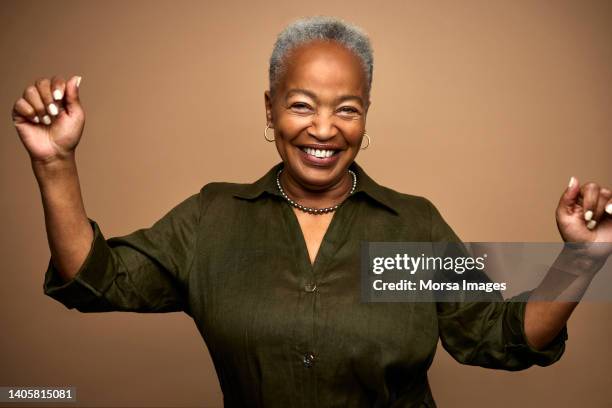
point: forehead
(324, 67)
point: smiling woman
(270, 271)
(320, 79)
(318, 113)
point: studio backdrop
(484, 107)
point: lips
(319, 157)
(319, 153)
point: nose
(323, 127)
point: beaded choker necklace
(309, 209)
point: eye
(300, 106)
(348, 109)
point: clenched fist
(49, 118)
(584, 215)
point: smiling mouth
(319, 153)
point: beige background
(487, 108)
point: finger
(44, 89)
(570, 195)
(73, 102)
(604, 196)
(30, 94)
(58, 87)
(24, 111)
(590, 198)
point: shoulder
(403, 204)
(419, 210)
(406, 204)
(223, 191)
(226, 193)
(222, 188)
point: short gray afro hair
(309, 29)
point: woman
(269, 271)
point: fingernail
(46, 120)
(609, 209)
(571, 182)
(36, 119)
(52, 109)
(588, 215)
(57, 95)
(591, 224)
(78, 81)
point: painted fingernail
(46, 120)
(609, 209)
(588, 215)
(78, 81)
(52, 109)
(57, 95)
(571, 182)
(591, 224)
(36, 119)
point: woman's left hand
(584, 215)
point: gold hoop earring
(266, 134)
(369, 141)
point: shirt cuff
(93, 278)
(517, 343)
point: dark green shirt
(281, 331)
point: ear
(268, 102)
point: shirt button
(310, 287)
(308, 360)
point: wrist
(56, 167)
(578, 260)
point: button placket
(310, 287)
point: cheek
(353, 132)
(291, 125)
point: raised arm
(49, 120)
(584, 221)
(145, 271)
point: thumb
(73, 102)
(570, 196)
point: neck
(312, 197)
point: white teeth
(318, 152)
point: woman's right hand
(49, 118)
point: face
(320, 103)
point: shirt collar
(365, 185)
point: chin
(318, 176)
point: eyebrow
(310, 94)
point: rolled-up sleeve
(492, 335)
(489, 333)
(517, 344)
(145, 271)
(92, 280)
